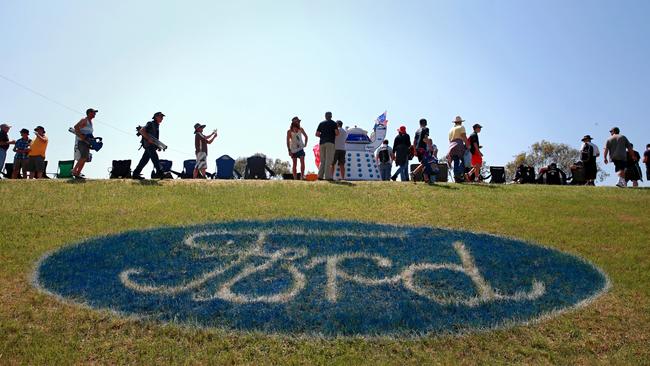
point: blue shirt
(22, 144)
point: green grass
(608, 226)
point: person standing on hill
(327, 132)
(646, 161)
(4, 143)
(617, 148)
(201, 149)
(36, 155)
(457, 145)
(401, 147)
(419, 139)
(296, 146)
(588, 154)
(633, 170)
(81, 129)
(339, 150)
(385, 159)
(20, 158)
(151, 129)
(477, 155)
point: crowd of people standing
(464, 154)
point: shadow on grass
(341, 183)
(149, 182)
(75, 181)
(486, 185)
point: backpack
(383, 156)
(586, 153)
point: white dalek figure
(360, 162)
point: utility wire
(35, 92)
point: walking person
(617, 149)
(36, 154)
(385, 158)
(401, 149)
(201, 143)
(4, 143)
(83, 128)
(327, 132)
(458, 143)
(149, 131)
(588, 154)
(20, 158)
(633, 170)
(296, 147)
(339, 150)
(477, 156)
(646, 161)
(419, 139)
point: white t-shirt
(296, 144)
(339, 143)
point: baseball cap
(615, 130)
(476, 125)
(24, 130)
(158, 114)
(89, 110)
(402, 129)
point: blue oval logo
(302, 277)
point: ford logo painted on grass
(300, 277)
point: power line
(35, 92)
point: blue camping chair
(226, 168)
(166, 166)
(188, 169)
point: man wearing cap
(617, 149)
(457, 145)
(4, 143)
(401, 146)
(477, 155)
(327, 132)
(36, 155)
(201, 149)
(151, 129)
(588, 154)
(82, 147)
(20, 158)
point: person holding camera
(149, 131)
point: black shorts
(339, 157)
(298, 154)
(36, 164)
(619, 165)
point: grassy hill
(608, 226)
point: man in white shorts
(201, 148)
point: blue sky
(526, 70)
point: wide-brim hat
(24, 130)
(587, 137)
(198, 125)
(458, 119)
(39, 128)
(4, 125)
(295, 119)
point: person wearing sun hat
(201, 149)
(4, 143)
(588, 154)
(36, 155)
(401, 147)
(458, 143)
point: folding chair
(65, 169)
(120, 169)
(226, 168)
(498, 174)
(256, 168)
(166, 166)
(188, 169)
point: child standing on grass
(429, 164)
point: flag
(317, 154)
(381, 120)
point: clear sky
(526, 70)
